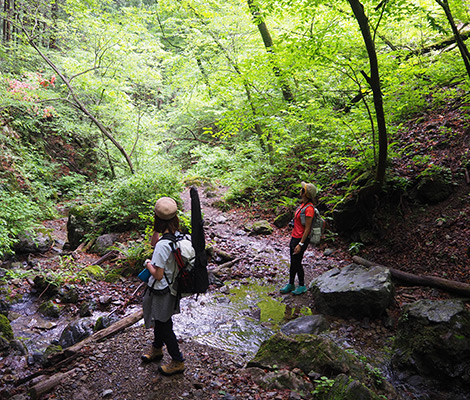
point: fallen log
(98, 336)
(446, 285)
(44, 386)
(50, 382)
(220, 269)
(109, 255)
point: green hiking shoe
(299, 290)
(287, 289)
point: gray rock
(76, 331)
(310, 324)
(353, 291)
(433, 340)
(103, 243)
(262, 227)
(33, 242)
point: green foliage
(323, 385)
(434, 171)
(193, 84)
(133, 256)
(17, 215)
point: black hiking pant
(296, 262)
(164, 334)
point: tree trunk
(54, 29)
(446, 285)
(268, 43)
(460, 43)
(6, 22)
(374, 82)
(265, 144)
(78, 104)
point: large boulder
(308, 353)
(353, 291)
(434, 189)
(433, 340)
(103, 243)
(283, 219)
(33, 242)
(319, 357)
(76, 331)
(79, 223)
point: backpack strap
(302, 212)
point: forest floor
(424, 240)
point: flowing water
(236, 319)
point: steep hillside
(419, 235)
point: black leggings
(163, 334)
(296, 262)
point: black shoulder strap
(169, 236)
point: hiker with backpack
(300, 238)
(159, 303)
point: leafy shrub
(17, 215)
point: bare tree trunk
(268, 43)
(374, 82)
(265, 144)
(458, 38)
(78, 104)
(54, 17)
(6, 22)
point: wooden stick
(447, 285)
(48, 384)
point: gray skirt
(159, 307)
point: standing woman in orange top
(300, 239)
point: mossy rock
(262, 227)
(308, 353)
(79, 223)
(70, 295)
(5, 328)
(52, 349)
(345, 388)
(49, 309)
(46, 288)
(283, 220)
(94, 271)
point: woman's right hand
(297, 249)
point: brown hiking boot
(173, 367)
(153, 354)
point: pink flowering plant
(30, 90)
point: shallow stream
(236, 319)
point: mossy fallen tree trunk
(446, 285)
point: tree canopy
(258, 94)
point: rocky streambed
(220, 332)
